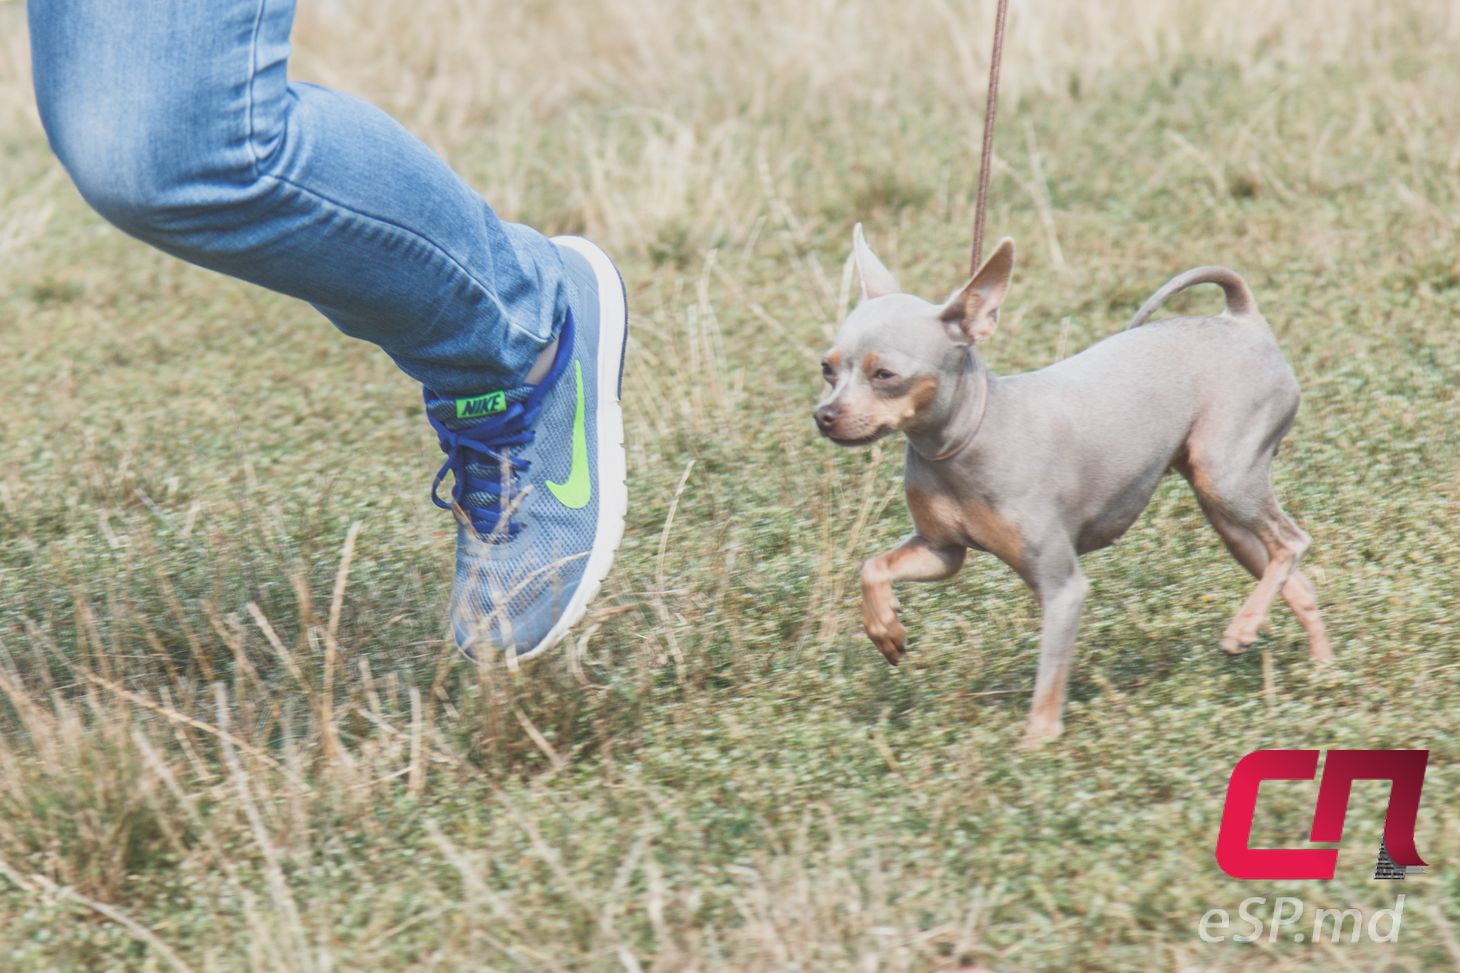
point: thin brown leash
(990, 110)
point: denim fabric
(177, 122)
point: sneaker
(539, 471)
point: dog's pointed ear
(877, 280)
(971, 314)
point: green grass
(205, 765)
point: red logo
(1404, 769)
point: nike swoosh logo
(575, 492)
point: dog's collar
(981, 378)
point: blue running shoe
(539, 471)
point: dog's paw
(1237, 644)
(890, 638)
(880, 621)
(1244, 631)
(1040, 732)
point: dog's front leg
(1061, 587)
(915, 559)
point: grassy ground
(232, 738)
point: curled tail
(1239, 299)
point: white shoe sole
(613, 494)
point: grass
(232, 738)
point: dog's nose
(826, 416)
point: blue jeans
(177, 122)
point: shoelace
(481, 457)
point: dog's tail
(1240, 302)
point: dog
(1041, 467)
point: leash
(991, 109)
(980, 207)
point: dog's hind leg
(1299, 591)
(1286, 543)
(1239, 501)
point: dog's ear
(971, 314)
(877, 280)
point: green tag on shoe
(481, 406)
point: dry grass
(231, 736)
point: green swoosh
(575, 492)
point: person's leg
(178, 124)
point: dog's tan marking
(970, 523)
(868, 412)
(921, 396)
(1302, 598)
(901, 410)
(1199, 477)
(1046, 715)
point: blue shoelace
(482, 456)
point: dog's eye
(883, 375)
(827, 372)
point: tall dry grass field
(231, 734)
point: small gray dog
(1042, 467)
